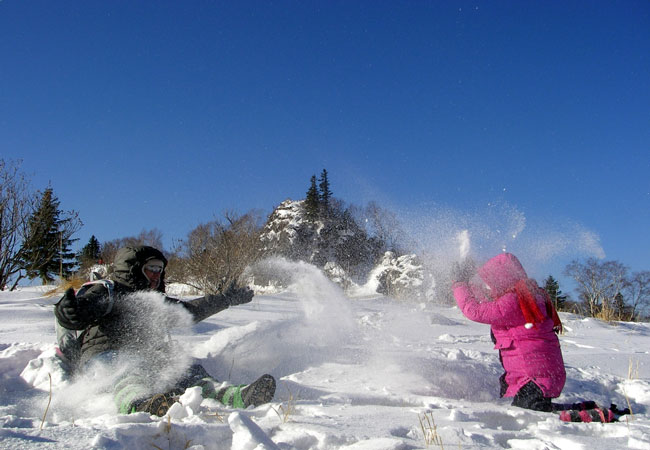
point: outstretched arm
(504, 311)
(203, 307)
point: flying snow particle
(463, 240)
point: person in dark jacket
(113, 319)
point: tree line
(605, 289)
(36, 237)
(609, 290)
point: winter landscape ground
(355, 371)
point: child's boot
(604, 415)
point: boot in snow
(158, 405)
(257, 393)
(591, 412)
(604, 415)
(588, 415)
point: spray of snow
(442, 235)
(148, 353)
(329, 332)
(325, 323)
(463, 244)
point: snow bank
(352, 374)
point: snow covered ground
(353, 373)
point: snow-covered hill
(283, 225)
(353, 373)
(344, 250)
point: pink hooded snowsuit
(528, 354)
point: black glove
(619, 412)
(463, 271)
(68, 312)
(237, 296)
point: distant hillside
(336, 241)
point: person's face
(153, 274)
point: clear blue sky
(160, 114)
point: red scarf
(525, 291)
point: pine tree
(621, 309)
(312, 201)
(552, 287)
(90, 254)
(325, 193)
(47, 246)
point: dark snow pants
(132, 386)
(530, 396)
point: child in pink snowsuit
(523, 324)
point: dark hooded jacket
(104, 318)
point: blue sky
(493, 116)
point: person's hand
(69, 307)
(463, 271)
(238, 295)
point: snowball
(101, 441)
(192, 398)
(178, 411)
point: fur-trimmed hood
(128, 265)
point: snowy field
(353, 373)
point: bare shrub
(216, 253)
(598, 284)
(637, 293)
(16, 206)
(607, 314)
(151, 237)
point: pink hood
(501, 273)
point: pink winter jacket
(527, 354)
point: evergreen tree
(47, 246)
(312, 201)
(552, 287)
(351, 245)
(621, 309)
(325, 193)
(90, 254)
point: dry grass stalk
(168, 429)
(430, 430)
(49, 401)
(607, 314)
(633, 371)
(168, 425)
(232, 366)
(219, 417)
(629, 405)
(75, 282)
(285, 413)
